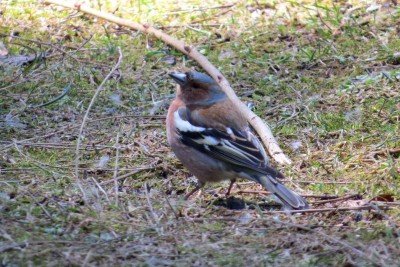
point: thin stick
(37, 163)
(261, 192)
(330, 197)
(319, 182)
(320, 196)
(127, 175)
(337, 199)
(116, 169)
(225, 10)
(41, 206)
(79, 182)
(40, 42)
(88, 255)
(199, 9)
(258, 124)
(368, 207)
(153, 214)
(173, 210)
(9, 144)
(385, 203)
(100, 188)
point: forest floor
(325, 76)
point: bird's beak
(180, 78)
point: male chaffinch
(214, 142)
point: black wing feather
(236, 149)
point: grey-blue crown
(201, 77)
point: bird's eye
(196, 86)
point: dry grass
(325, 77)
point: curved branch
(262, 129)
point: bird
(213, 140)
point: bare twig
(29, 77)
(337, 199)
(320, 196)
(199, 9)
(330, 198)
(191, 25)
(38, 163)
(261, 192)
(100, 188)
(367, 207)
(67, 167)
(224, 10)
(88, 255)
(152, 212)
(321, 182)
(170, 206)
(86, 117)
(116, 170)
(378, 203)
(258, 124)
(41, 206)
(21, 245)
(24, 142)
(40, 42)
(127, 175)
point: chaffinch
(214, 142)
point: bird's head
(196, 88)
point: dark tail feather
(290, 199)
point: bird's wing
(239, 148)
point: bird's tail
(290, 199)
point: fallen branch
(262, 129)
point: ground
(324, 75)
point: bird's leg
(197, 188)
(230, 187)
